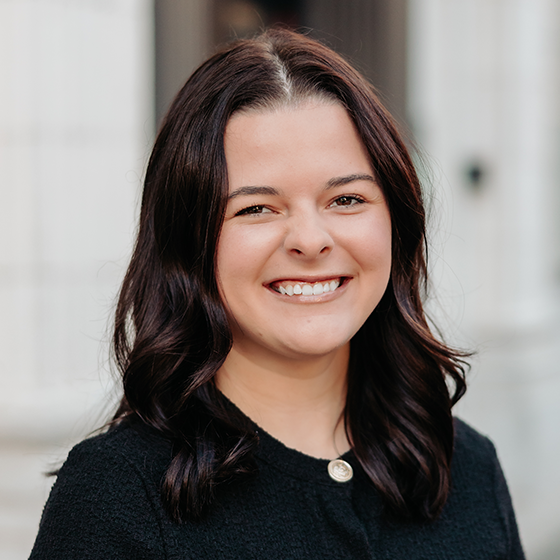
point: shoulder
(106, 498)
(125, 463)
(479, 493)
(470, 442)
(474, 456)
(130, 444)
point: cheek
(228, 268)
(381, 250)
(370, 242)
(241, 257)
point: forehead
(309, 140)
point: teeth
(309, 289)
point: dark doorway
(370, 33)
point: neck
(299, 402)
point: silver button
(340, 470)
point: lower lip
(323, 298)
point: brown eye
(344, 201)
(347, 201)
(258, 209)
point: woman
(283, 394)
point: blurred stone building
(476, 83)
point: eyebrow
(253, 190)
(331, 184)
(341, 181)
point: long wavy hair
(171, 331)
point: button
(340, 470)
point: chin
(314, 346)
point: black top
(105, 505)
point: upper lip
(308, 279)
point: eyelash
(258, 208)
(355, 199)
(251, 210)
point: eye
(346, 201)
(258, 209)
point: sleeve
(505, 506)
(99, 507)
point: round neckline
(296, 463)
(291, 461)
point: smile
(298, 288)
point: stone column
(484, 101)
(76, 124)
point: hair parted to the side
(172, 334)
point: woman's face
(304, 255)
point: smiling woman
(284, 396)
(304, 258)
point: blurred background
(83, 83)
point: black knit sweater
(105, 505)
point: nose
(308, 237)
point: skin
(304, 207)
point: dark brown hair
(172, 334)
